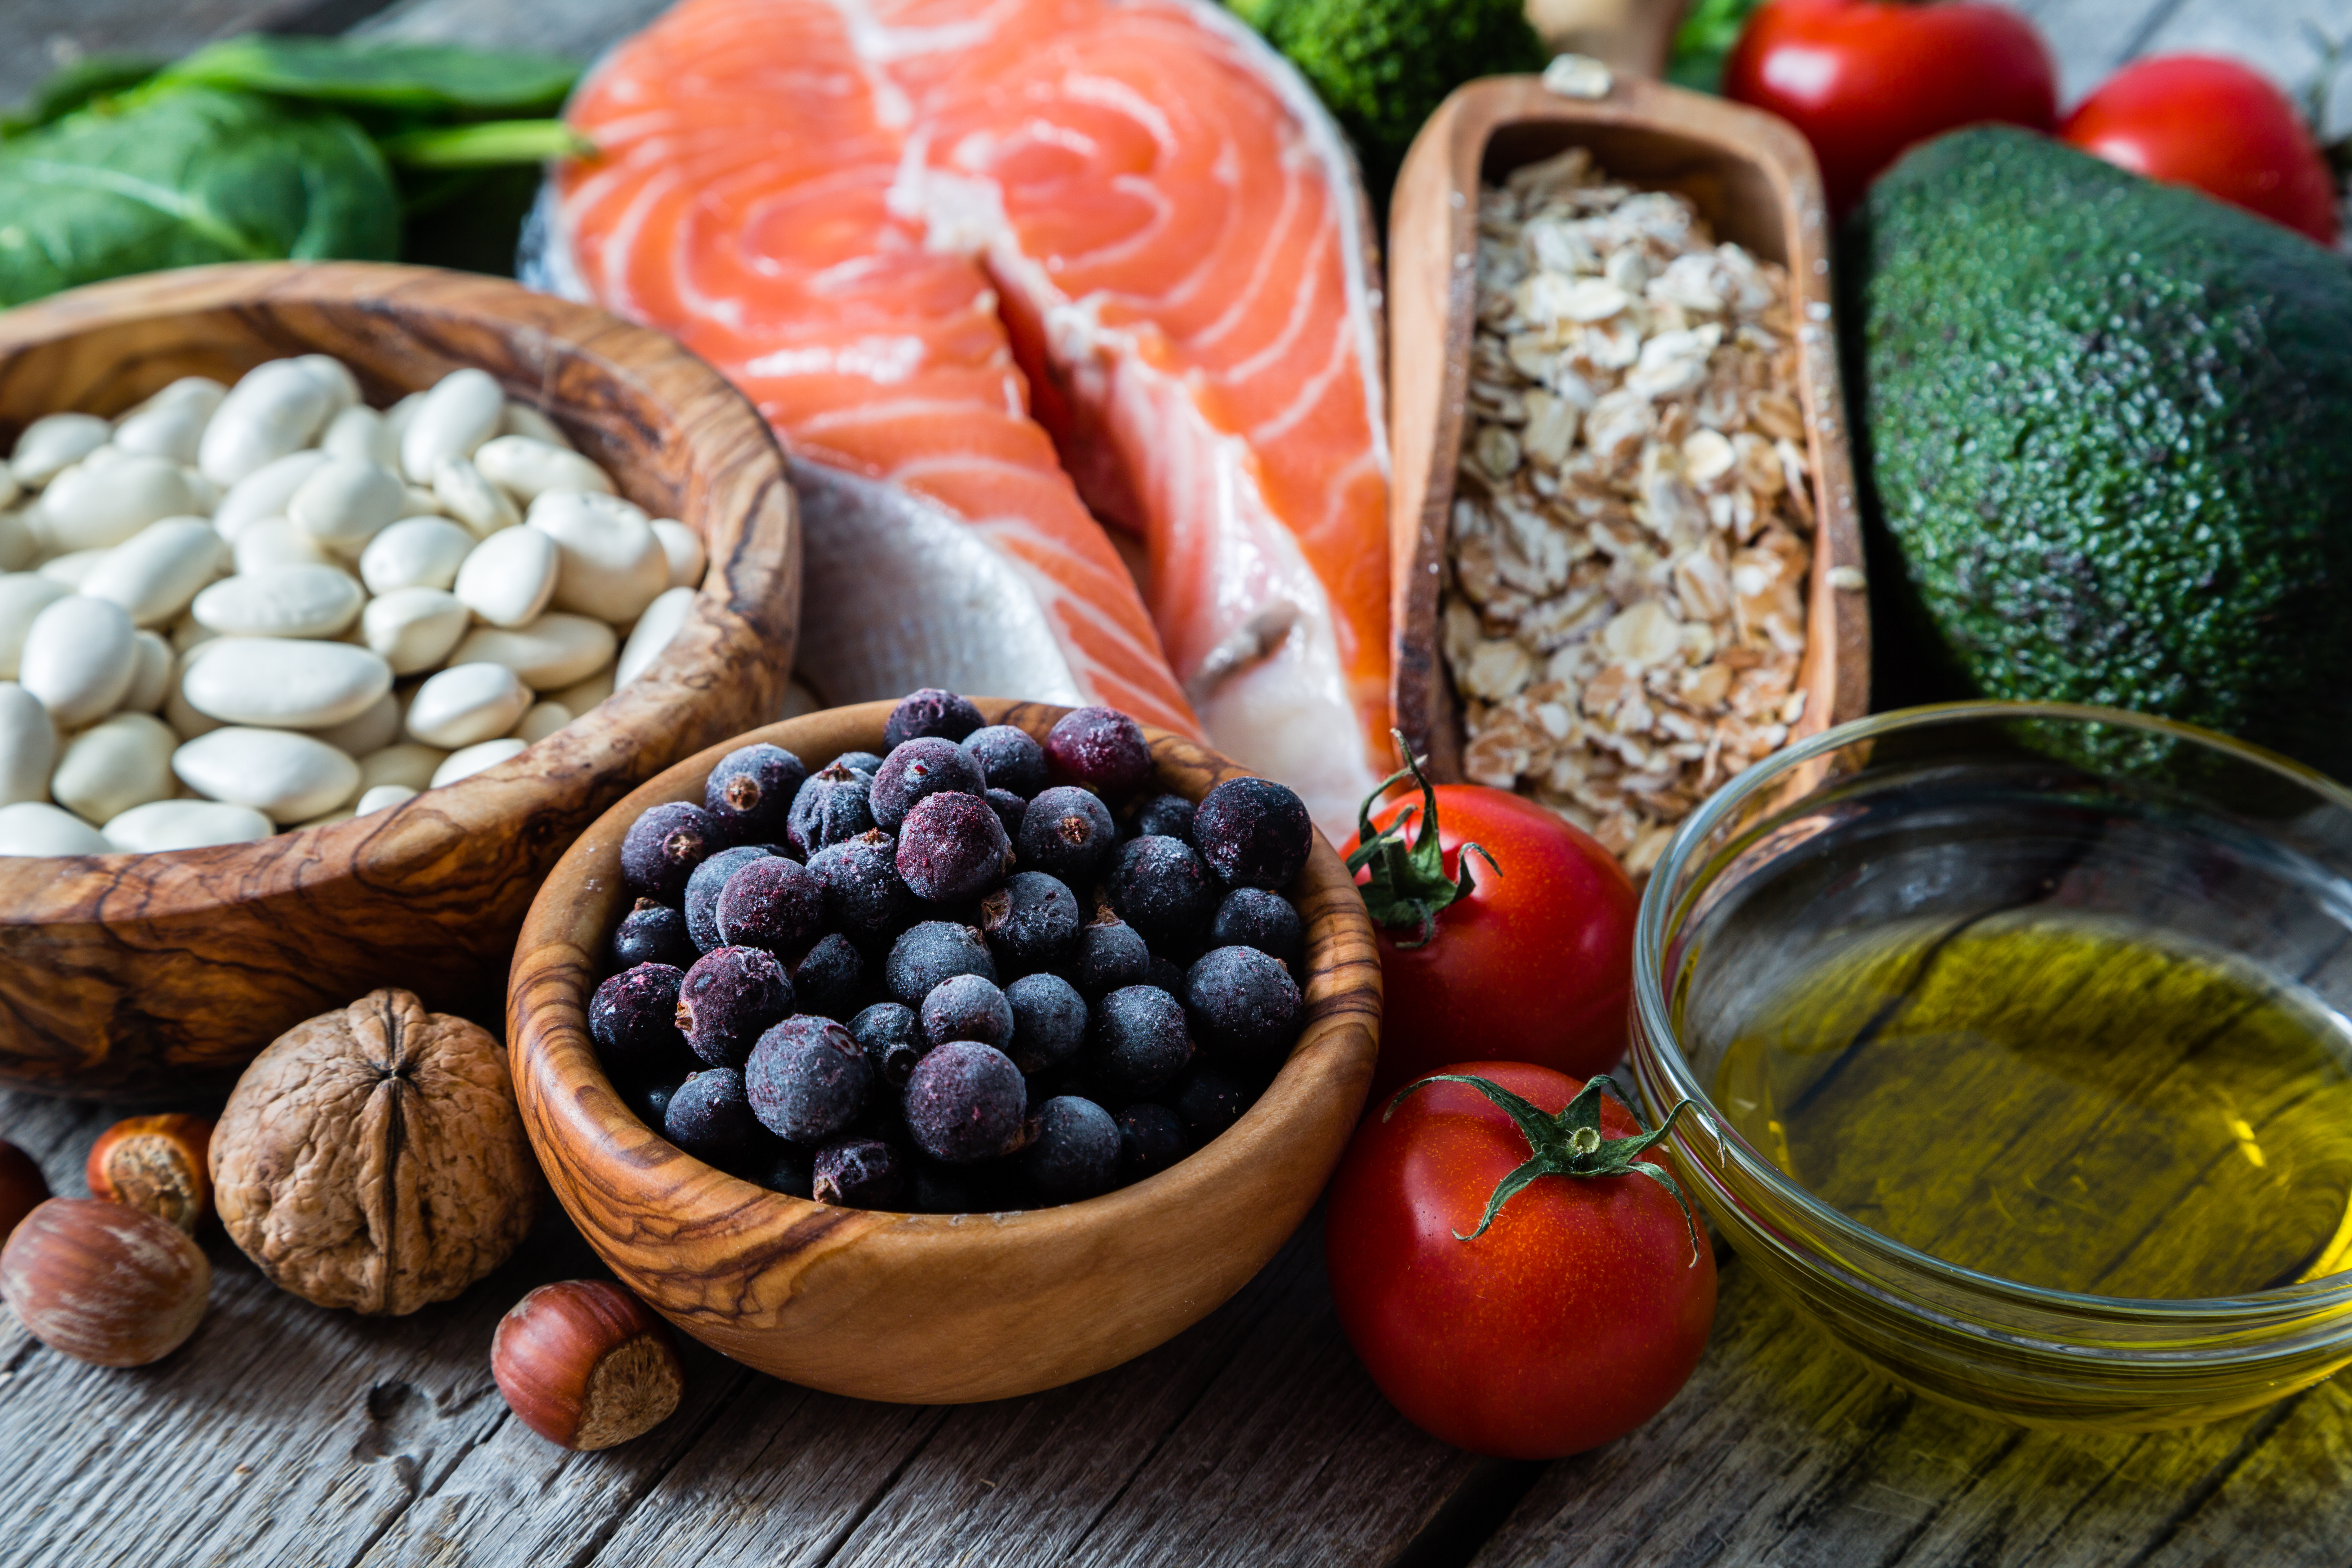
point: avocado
(2106, 440)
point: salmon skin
(994, 271)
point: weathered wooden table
(284, 1433)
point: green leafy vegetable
(71, 86)
(491, 144)
(1705, 41)
(436, 79)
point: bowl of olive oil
(2024, 1030)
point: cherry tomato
(2188, 120)
(1536, 964)
(1572, 1320)
(1864, 80)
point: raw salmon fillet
(987, 266)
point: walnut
(373, 1157)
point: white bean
(509, 577)
(553, 651)
(414, 628)
(409, 764)
(37, 828)
(28, 745)
(612, 565)
(654, 628)
(361, 432)
(276, 542)
(341, 386)
(683, 547)
(371, 731)
(151, 680)
(169, 430)
(523, 419)
(588, 693)
(415, 552)
(186, 825)
(97, 508)
(527, 469)
(54, 441)
(346, 502)
(79, 659)
(541, 721)
(199, 391)
(18, 545)
(291, 777)
(23, 595)
(274, 410)
(280, 602)
(265, 492)
(72, 570)
(472, 500)
(206, 494)
(465, 764)
(382, 797)
(156, 572)
(457, 415)
(283, 684)
(111, 766)
(396, 418)
(468, 703)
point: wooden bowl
(1754, 180)
(160, 976)
(927, 1308)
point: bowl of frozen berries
(946, 1050)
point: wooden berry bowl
(924, 1308)
(161, 975)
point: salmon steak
(1002, 273)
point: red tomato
(2214, 124)
(1536, 964)
(1570, 1321)
(1865, 80)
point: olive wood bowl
(162, 976)
(1754, 180)
(927, 1308)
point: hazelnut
(22, 1187)
(585, 1364)
(104, 1283)
(156, 1163)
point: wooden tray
(1754, 179)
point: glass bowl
(1959, 818)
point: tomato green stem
(1409, 886)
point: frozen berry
(1252, 917)
(1049, 1022)
(1067, 833)
(1009, 759)
(859, 1174)
(1032, 921)
(808, 1079)
(965, 1103)
(864, 894)
(1254, 832)
(891, 1036)
(1111, 953)
(729, 999)
(931, 713)
(931, 952)
(771, 902)
(632, 1018)
(829, 979)
(1243, 1006)
(1160, 887)
(952, 847)
(1150, 1139)
(1011, 810)
(1102, 749)
(1169, 815)
(702, 890)
(653, 933)
(924, 766)
(833, 805)
(865, 763)
(1209, 1102)
(967, 1007)
(750, 793)
(1166, 973)
(958, 1189)
(662, 847)
(652, 1101)
(1138, 1045)
(710, 1118)
(782, 1168)
(1075, 1152)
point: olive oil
(2062, 1101)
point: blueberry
(1243, 1006)
(929, 953)
(782, 1168)
(653, 933)
(710, 1118)
(1150, 1139)
(662, 847)
(1049, 1022)
(951, 848)
(1254, 832)
(1011, 810)
(1160, 887)
(1101, 748)
(926, 765)
(959, 1189)
(770, 902)
(1111, 953)
(965, 1103)
(1166, 973)
(858, 1173)
(1252, 917)
(808, 1079)
(1009, 759)
(967, 1007)
(864, 894)
(891, 1036)
(1075, 1152)
(1169, 815)
(1209, 1102)
(865, 763)
(1137, 1043)
(702, 890)
(750, 793)
(651, 1102)
(1067, 833)
(729, 998)
(931, 713)
(829, 979)
(1033, 922)
(833, 805)
(632, 1018)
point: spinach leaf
(421, 78)
(156, 179)
(70, 88)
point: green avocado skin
(2109, 427)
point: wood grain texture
(924, 1308)
(1755, 181)
(160, 974)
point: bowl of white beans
(335, 601)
